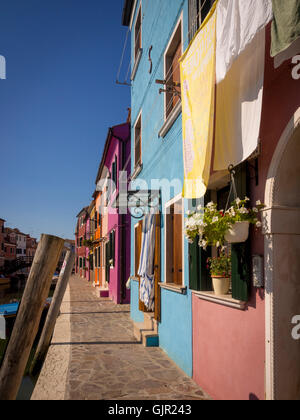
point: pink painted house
(243, 348)
(115, 241)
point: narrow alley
(94, 356)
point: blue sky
(56, 106)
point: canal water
(9, 294)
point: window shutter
(241, 253)
(112, 237)
(177, 249)
(193, 20)
(157, 269)
(107, 265)
(138, 245)
(200, 279)
(96, 252)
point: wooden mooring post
(53, 312)
(29, 315)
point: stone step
(100, 292)
(149, 322)
(139, 329)
(150, 339)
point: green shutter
(199, 274)
(241, 253)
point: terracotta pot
(238, 233)
(221, 285)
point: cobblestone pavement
(107, 363)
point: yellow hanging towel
(198, 72)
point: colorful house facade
(2, 235)
(80, 237)
(157, 165)
(241, 345)
(112, 260)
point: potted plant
(220, 271)
(215, 227)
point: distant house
(80, 238)
(21, 239)
(31, 246)
(2, 235)
(10, 244)
(112, 238)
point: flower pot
(238, 233)
(221, 285)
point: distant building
(21, 243)
(31, 246)
(2, 234)
(10, 244)
(80, 236)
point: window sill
(170, 120)
(137, 170)
(136, 64)
(182, 290)
(225, 300)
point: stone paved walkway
(104, 360)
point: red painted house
(2, 234)
(80, 238)
(244, 348)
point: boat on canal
(8, 314)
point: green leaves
(211, 224)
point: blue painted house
(161, 31)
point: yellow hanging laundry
(198, 73)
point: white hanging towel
(238, 21)
(146, 268)
(240, 76)
(239, 105)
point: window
(172, 70)
(114, 173)
(200, 279)
(138, 142)
(138, 34)
(174, 242)
(99, 257)
(198, 10)
(112, 242)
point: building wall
(1, 242)
(162, 158)
(229, 344)
(114, 220)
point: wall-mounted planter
(238, 233)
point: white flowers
(243, 210)
(209, 225)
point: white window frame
(137, 169)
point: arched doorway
(282, 266)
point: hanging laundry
(146, 267)
(240, 65)
(239, 105)
(197, 68)
(238, 21)
(285, 26)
